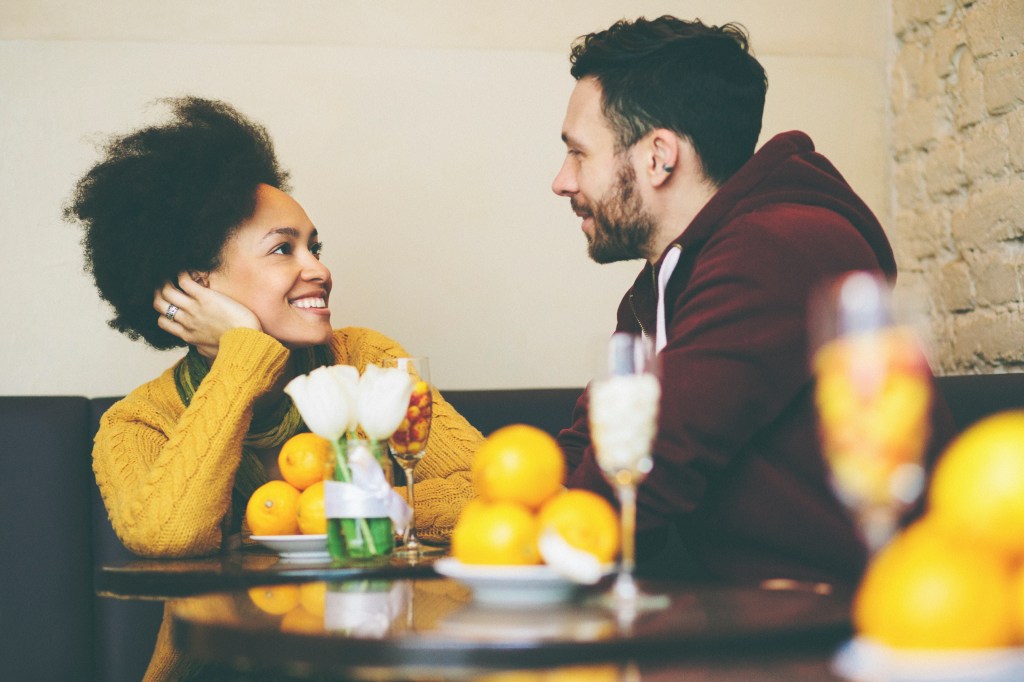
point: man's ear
(662, 155)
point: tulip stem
(343, 474)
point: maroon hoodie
(738, 470)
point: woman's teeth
(310, 303)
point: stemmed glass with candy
(873, 396)
(409, 443)
(623, 406)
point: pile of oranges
(518, 475)
(955, 578)
(296, 504)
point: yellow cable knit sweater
(166, 471)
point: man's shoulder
(785, 221)
(784, 237)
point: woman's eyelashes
(286, 249)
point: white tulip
(383, 400)
(326, 399)
(348, 377)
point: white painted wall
(422, 140)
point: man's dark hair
(699, 81)
(164, 200)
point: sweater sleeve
(443, 482)
(165, 471)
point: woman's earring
(667, 168)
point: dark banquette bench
(56, 532)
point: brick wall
(957, 95)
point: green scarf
(271, 431)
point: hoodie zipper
(632, 306)
(637, 317)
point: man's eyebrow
(571, 141)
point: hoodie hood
(788, 170)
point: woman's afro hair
(163, 200)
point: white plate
(296, 547)
(509, 584)
(864, 659)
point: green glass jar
(366, 538)
(358, 526)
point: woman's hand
(200, 315)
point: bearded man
(660, 134)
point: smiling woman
(192, 238)
(270, 265)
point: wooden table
(431, 628)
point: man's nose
(564, 184)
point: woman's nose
(314, 269)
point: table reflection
(433, 626)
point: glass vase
(358, 526)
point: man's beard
(623, 228)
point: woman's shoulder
(154, 401)
(360, 346)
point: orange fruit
(311, 516)
(585, 520)
(302, 459)
(275, 599)
(273, 508)
(474, 505)
(978, 485)
(301, 620)
(1017, 599)
(520, 464)
(930, 590)
(496, 533)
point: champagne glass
(409, 443)
(623, 414)
(873, 396)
